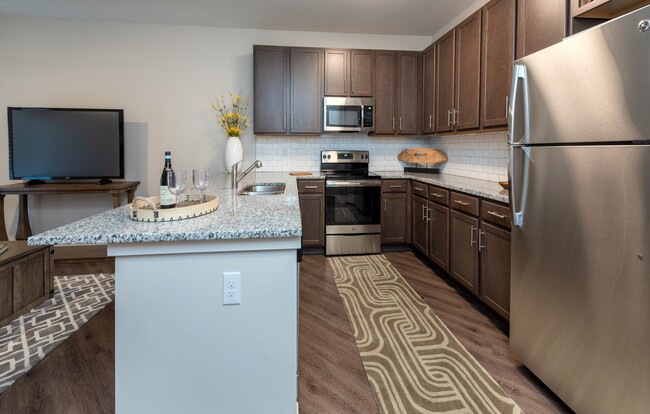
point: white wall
(462, 16)
(164, 77)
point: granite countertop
(238, 217)
(486, 189)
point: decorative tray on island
(148, 209)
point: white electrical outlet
(231, 288)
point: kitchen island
(178, 348)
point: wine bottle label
(166, 198)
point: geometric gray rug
(29, 338)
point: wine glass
(200, 179)
(177, 184)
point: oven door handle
(355, 183)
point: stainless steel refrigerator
(579, 174)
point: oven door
(352, 217)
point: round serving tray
(142, 209)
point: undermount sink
(263, 189)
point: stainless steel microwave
(348, 114)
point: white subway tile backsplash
(483, 156)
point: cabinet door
(495, 268)
(464, 252)
(407, 93)
(385, 90)
(393, 219)
(312, 207)
(498, 57)
(306, 91)
(362, 73)
(270, 89)
(468, 72)
(540, 23)
(439, 235)
(336, 72)
(419, 226)
(445, 55)
(428, 89)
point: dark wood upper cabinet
(362, 72)
(271, 88)
(497, 61)
(540, 23)
(458, 76)
(407, 93)
(445, 55)
(468, 72)
(428, 89)
(385, 91)
(306, 90)
(336, 72)
(349, 72)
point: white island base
(178, 349)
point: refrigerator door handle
(518, 111)
(519, 162)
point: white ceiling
(393, 17)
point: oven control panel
(333, 157)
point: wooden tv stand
(115, 189)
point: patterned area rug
(414, 364)
(29, 338)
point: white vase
(234, 152)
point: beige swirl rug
(414, 364)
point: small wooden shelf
(115, 189)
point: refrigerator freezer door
(592, 87)
(580, 297)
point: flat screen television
(65, 143)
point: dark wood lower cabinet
(495, 268)
(419, 226)
(311, 195)
(438, 250)
(393, 218)
(464, 253)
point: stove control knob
(324, 156)
(329, 156)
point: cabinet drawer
(311, 186)
(495, 213)
(439, 195)
(467, 204)
(393, 186)
(419, 189)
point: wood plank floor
(78, 377)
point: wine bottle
(167, 199)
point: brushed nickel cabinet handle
(500, 216)
(423, 214)
(436, 195)
(480, 240)
(400, 123)
(395, 186)
(449, 117)
(461, 203)
(456, 116)
(393, 123)
(311, 187)
(430, 121)
(428, 216)
(472, 242)
(385, 204)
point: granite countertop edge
(238, 217)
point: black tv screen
(65, 143)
